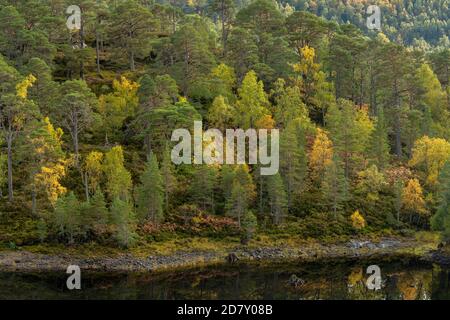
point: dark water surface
(333, 280)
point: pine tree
(75, 110)
(293, 162)
(252, 104)
(378, 148)
(441, 219)
(288, 104)
(277, 198)
(16, 114)
(334, 186)
(225, 10)
(123, 218)
(3, 172)
(67, 217)
(202, 187)
(350, 129)
(238, 202)
(226, 182)
(169, 180)
(249, 225)
(131, 26)
(45, 91)
(242, 193)
(150, 193)
(192, 57)
(96, 216)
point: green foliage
(293, 161)
(341, 96)
(67, 218)
(277, 198)
(3, 172)
(441, 220)
(96, 218)
(378, 147)
(249, 225)
(334, 186)
(202, 187)
(252, 104)
(124, 223)
(242, 194)
(131, 29)
(118, 179)
(350, 130)
(150, 193)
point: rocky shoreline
(24, 261)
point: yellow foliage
(412, 197)
(115, 107)
(226, 74)
(357, 220)
(306, 66)
(430, 153)
(321, 153)
(56, 134)
(355, 276)
(48, 180)
(125, 87)
(22, 87)
(93, 168)
(265, 122)
(220, 114)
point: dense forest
(421, 24)
(86, 117)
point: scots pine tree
(334, 186)
(150, 193)
(378, 148)
(277, 198)
(124, 222)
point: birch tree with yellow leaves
(92, 172)
(16, 112)
(413, 202)
(430, 155)
(45, 162)
(321, 155)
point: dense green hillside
(419, 23)
(404, 21)
(86, 118)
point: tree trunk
(86, 185)
(224, 31)
(10, 176)
(76, 146)
(33, 201)
(260, 195)
(397, 125)
(97, 50)
(81, 46)
(166, 196)
(132, 66)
